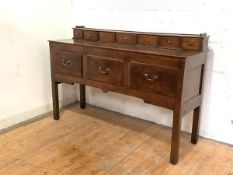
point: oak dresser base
(165, 70)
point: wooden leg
(195, 128)
(175, 142)
(55, 100)
(82, 96)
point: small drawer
(91, 35)
(148, 40)
(105, 70)
(67, 63)
(153, 78)
(126, 38)
(78, 33)
(106, 36)
(169, 42)
(191, 43)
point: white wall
(25, 27)
(185, 16)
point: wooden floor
(97, 141)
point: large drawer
(67, 63)
(156, 79)
(105, 70)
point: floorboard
(100, 142)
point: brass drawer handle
(151, 78)
(125, 38)
(66, 62)
(89, 35)
(190, 43)
(169, 41)
(104, 70)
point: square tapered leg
(82, 96)
(175, 141)
(55, 100)
(195, 128)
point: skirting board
(21, 117)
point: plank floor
(100, 142)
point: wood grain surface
(100, 142)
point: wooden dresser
(162, 69)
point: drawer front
(106, 36)
(153, 78)
(169, 42)
(191, 43)
(147, 40)
(67, 63)
(105, 70)
(91, 35)
(126, 38)
(78, 33)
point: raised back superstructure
(197, 42)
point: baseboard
(27, 115)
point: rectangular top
(132, 48)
